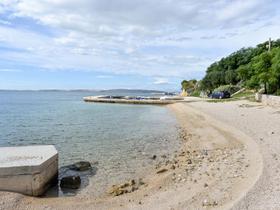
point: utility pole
(269, 45)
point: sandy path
(262, 123)
(214, 169)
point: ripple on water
(122, 138)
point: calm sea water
(122, 138)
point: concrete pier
(127, 101)
(29, 170)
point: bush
(277, 92)
(195, 93)
(230, 88)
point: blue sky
(149, 44)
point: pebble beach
(225, 162)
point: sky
(135, 44)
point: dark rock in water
(70, 182)
(81, 166)
(82, 169)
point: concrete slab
(28, 170)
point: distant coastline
(85, 90)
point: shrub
(277, 92)
(195, 93)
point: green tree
(231, 77)
(263, 66)
(188, 85)
(250, 66)
(275, 73)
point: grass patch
(222, 100)
(245, 95)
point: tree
(275, 70)
(263, 65)
(231, 77)
(250, 66)
(188, 85)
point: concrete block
(269, 100)
(29, 170)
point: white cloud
(104, 76)
(4, 22)
(10, 70)
(134, 37)
(161, 81)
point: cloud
(104, 76)
(10, 70)
(161, 81)
(138, 18)
(4, 22)
(140, 37)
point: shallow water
(122, 138)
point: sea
(121, 138)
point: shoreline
(200, 175)
(232, 139)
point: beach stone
(154, 157)
(132, 182)
(81, 166)
(162, 171)
(116, 190)
(209, 203)
(126, 187)
(70, 182)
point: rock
(126, 187)
(189, 161)
(162, 171)
(70, 182)
(154, 157)
(205, 185)
(205, 202)
(132, 182)
(204, 152)
(116, 190)
(182, 154)
(173, 167)
(209, 203)
(140, 181)
(167, 162)
(81, 166)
